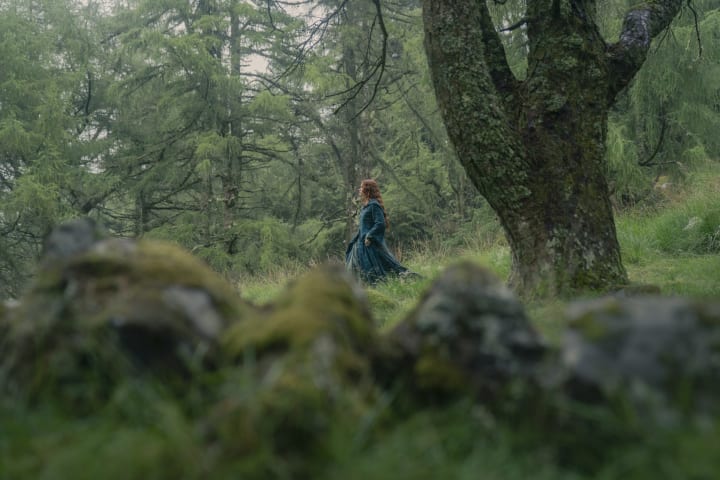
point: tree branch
(640, 26)
(313, 36)
(697, 27)
(515, 26)
(377, 70)
(648, 162)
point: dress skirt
(372, 263)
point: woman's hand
(367, 241)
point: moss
(593, 319)
(289, 329)
(320, 303)
(281, 416)
(381, 300)
(285, 412)
(331, 293)
(113, 308)
(567, 63)
(308, 359)
(161, 263)
(433, 372)
(636, 289)
(555, 102)
(589, 327)
(312, 350)
(117, 269)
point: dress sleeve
(377, 231)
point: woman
(367, 255)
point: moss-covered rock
(651, 351)
(72, 238)
(307, 362)
(113, 308)
(469, 333)
(325, 302)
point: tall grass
(688, 224)
(676, 247)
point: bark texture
(535, 148)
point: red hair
(370, 189)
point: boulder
(307, 364)
(71, 238)
(652, 351)
(469, 332)
(108, 308)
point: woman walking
(367, 256)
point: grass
(155, 440)
(675, 246)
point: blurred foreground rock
(101, 309)
(468, 333)
(656, 352)
(309, 361)
(276, 382)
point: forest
(178, 185)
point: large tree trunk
(535, 148)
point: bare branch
(337, 216)
(663, 127)
(697, 27)
(377, 70)
(515, 26)
(313, 36)
(270, 15)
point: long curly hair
(370, 189)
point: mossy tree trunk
(535, 148)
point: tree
(660, 126)
(534, 147)
(363, 126)
(191, 130)
(46, 114)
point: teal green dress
(374, 262)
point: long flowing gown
(372, 263)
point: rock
(324, 302)
(308, 360)
(71, 238)
(653, 351)
(468, 332)
(112, 308)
